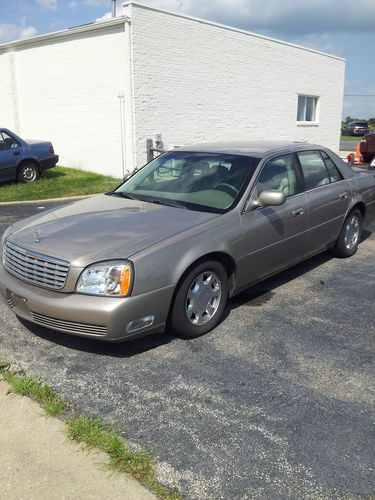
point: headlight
(111, 279)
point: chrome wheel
(29, 173)
(352, 231)
(203, 298)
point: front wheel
(348, 241)
(200, 300)
(28, 172)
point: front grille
(35, 268)
(69, 326)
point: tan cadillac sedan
(183, 234)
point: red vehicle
(367, 147)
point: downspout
(129, 96)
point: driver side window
(278, 174)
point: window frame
(305, 122)
(10, 136)
(320, 152)
(299, 180)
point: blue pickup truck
(24, 160)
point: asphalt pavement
(277, 402)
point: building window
(307, 108)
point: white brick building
(99, 91)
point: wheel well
(226, 260)
(26, 161)
(361, 207)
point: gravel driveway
(277, 402)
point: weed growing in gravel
(35, 389)
(95, 434)
(92, 433)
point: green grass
(35, 389)
(350, 138)
(58, 182)
(93, 434)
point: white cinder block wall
(195, 81)
(67, 91)
(187, 79)
(7, 92)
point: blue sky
(341, 27)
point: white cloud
(104, 17)
(73, 5)
(47, 4)
(287, 16)
(10, 32)
(96, 3)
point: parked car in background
(24, 160)
(367, 146)
(184, 233)
(355, 128)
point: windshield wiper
(168, 203)
(120, 194)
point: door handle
(16, 153)
(298, 212)
(343, 196)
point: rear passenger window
(334, 174)
(314, 169)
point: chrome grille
(69, 326)
(35, 268)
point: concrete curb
(68, 198)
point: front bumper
(102, 318)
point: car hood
(102, 227)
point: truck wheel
(200, 300)
(348, 241)
(28, 172)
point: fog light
(139, 324)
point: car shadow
(254, 296)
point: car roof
(249, 148)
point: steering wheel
(227, 188)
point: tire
(350, 236)
(191, 319)
(367, 158)
(28, 172)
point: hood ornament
(37, 236)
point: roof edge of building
(63, 33)
(230, 28)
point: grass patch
(93, 434)
(351, 138)
(58, 182)
(35, 389)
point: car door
(328, 197)
(274, 237)
(10, 153)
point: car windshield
(211, 182)
(360, 124)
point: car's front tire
(200, 299)
(350, 236)
(28, 172)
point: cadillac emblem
(37, 236)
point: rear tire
(350, 236)
(367, 158)
(28, 172)
(200, 300)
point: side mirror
(269, 198)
